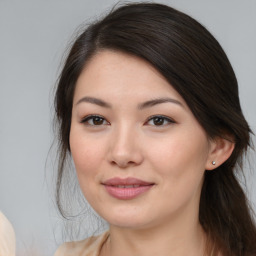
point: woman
(148, 108)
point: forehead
(111, 73)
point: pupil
(158, 120)
(97, 120)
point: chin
(129, 224)
(127, 220)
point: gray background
(33, 36)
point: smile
(126, 189)
(127, 186)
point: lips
(128, 188)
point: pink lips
(128, 188)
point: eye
(94, 120)
(159, 120)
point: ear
(220, 150)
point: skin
(125, 141)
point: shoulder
(88, 247)
(7, 237)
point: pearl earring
(213, 162)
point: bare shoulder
(7, 237)
(87, 247)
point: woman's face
(139, 153)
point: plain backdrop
(33, 37)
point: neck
(168, 239)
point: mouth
(128, 188)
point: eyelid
(91, 116)
(170, 120)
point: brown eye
(94, 120)
(97, 120)
(159, 121)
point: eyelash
(86, 119)
(164, 119)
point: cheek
(86, 154)
(180, 159)
(177, 155)
(180, 168)
(87, 159)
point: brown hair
(194, 63)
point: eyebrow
(96, 101)
(146, 104)
(157, 101)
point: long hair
(194, 63)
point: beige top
(88, 247)
(7, 237)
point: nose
(125, 150)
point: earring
(213, 162)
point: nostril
(123, 164)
